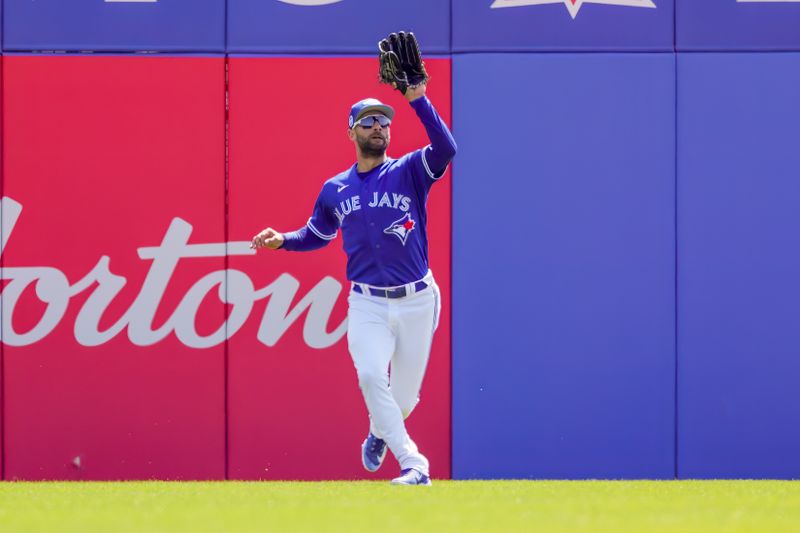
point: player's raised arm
(443, 146)
(402, 67)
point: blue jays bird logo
(401, 228)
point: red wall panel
(2, 450)
(112, 369)
(295, 409)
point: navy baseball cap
(364, 107)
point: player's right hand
(269, 238)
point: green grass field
(640, 506)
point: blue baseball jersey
(383, 218)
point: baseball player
(380, 206)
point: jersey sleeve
(323, 222)
(420, 170)
(302, 240)
(430, 163)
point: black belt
(397, 292)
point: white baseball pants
(397, 332)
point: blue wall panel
(738, 25)
(330, 26)
(563, 266)
(115, 25)
(519, 25)
(739, 265)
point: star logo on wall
(573, 6)
(310, 2)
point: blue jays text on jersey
(354, 204)
(382, 213)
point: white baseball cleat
(410, 476)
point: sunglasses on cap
(369, 121)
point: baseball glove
(400, 61)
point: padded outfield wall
(616, 239)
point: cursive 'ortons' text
(233, 287)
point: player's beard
(372, 150)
